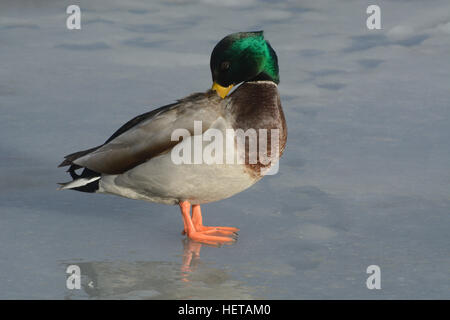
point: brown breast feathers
(256, 107)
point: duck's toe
(207, 238)
(218, 230)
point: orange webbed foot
(196, 231)
(203, 237)
(207, 230)
(226, 231)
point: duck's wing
(148, 135)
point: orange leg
(202, 235)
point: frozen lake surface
(364, 179)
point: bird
(143, 160)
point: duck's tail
(87, 181)
(78, 183)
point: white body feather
(161, 180)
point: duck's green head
(240, 57)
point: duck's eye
(225, 65)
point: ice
(364, 179)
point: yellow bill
(221, 91)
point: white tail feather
(78, 183)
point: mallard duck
(137, 161)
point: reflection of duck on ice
(158, 279)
